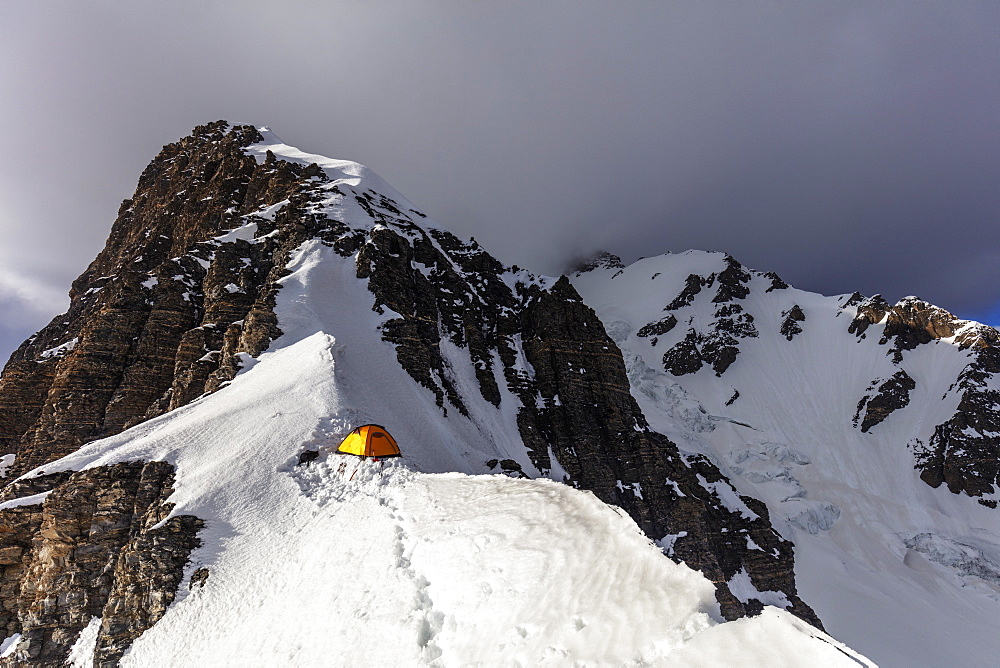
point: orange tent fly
(370, 440)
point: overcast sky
(845, 145)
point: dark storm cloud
(845, 145)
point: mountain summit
(172, 486)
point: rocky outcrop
(97, 544)
(964, 452)
(907, 324)
(732, 282)
(717, 346)
(657, 328)
(776, 282)
(790, 320)
(19, 525)
(692, 286)
(160, 316)
(600, 260)
(870, 310)
(458, 294)
(911, 322)
(884, 397)
(684, 357)
(717, 343)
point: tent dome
(370, 440)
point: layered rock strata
(159, 317)
(93, 544)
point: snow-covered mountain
(844, 415)
(173, 494)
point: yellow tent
(370, 440)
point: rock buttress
(94, 547)
(597, 432)
(158, 318)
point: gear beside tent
(370, 440)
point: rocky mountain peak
(599, 260)
(161, 314)
(912, 321)
(235, 245)
(186, 292)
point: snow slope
(908, 574)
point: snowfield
(411, 561)
(908, 574)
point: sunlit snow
(892, 566)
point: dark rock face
(912, 322)
(719, 350)
(158, 317)
(790, 322)
(198, 578)
(684, 357)
(908, 324)
(600, 260)
(692, 286)
(461, 295)
(508, 467)
(717, 347)
(853, 299)
(92, 549)
(870, 311)
(658, 328)
(776, 282)
(964, 452)
(717, 344)
(889, 395)
(732, 282)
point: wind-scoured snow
(340, 172)
(778, 422)
(412, 561)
